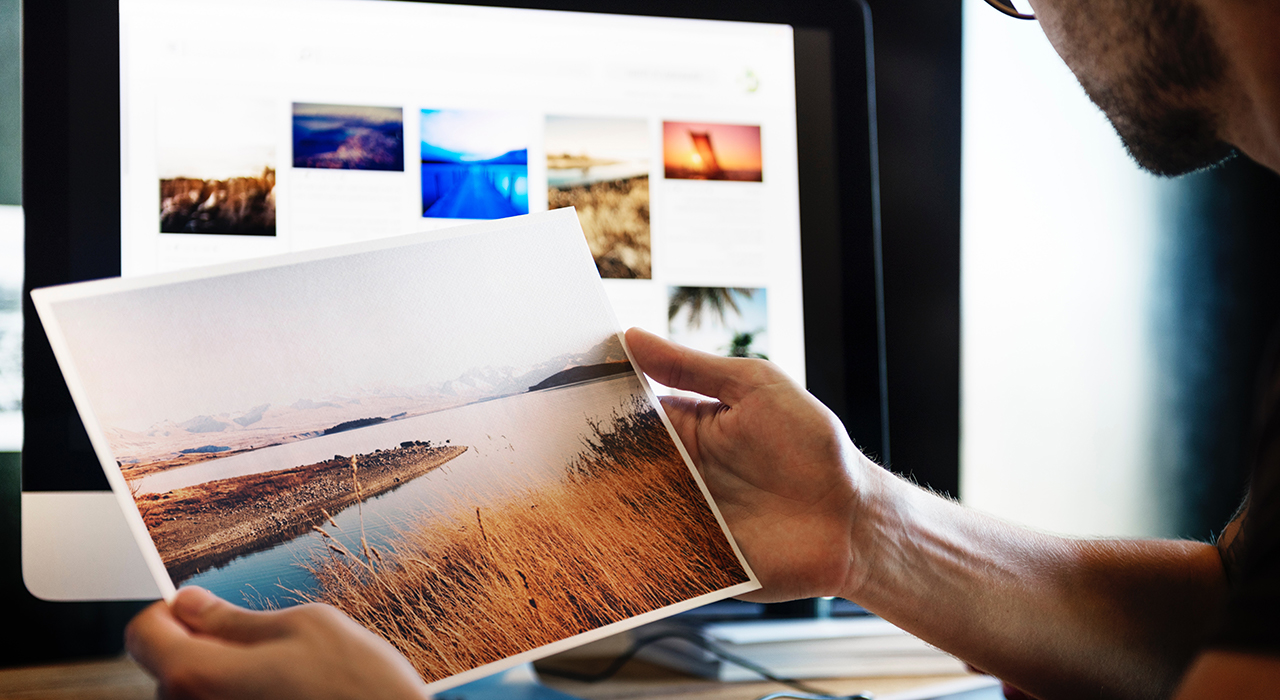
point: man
(1184, 82)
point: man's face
(1154, 70)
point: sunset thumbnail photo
(693, 151)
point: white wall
(1058, 241)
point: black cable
(808, 692)
(877, 238)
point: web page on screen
(257, 128)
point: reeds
(615, 218)
(244, 205)
(624, 530)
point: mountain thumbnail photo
(348, 137)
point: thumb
(684, 368)
(210, 615)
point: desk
(122, 679)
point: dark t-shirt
(1251, 545)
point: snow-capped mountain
(268, 424)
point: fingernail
(192, 601)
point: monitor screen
(716, 153)
(282, 125)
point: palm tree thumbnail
(741, 344)
(717, 299)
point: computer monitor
(699, 143)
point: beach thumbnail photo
(348, 137)
(475, 164)
(692, 151)
(217, 167)
(463, 461)
(728, 321)
(600, 166)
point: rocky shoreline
(207, 525)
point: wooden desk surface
(122, 679)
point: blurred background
(1072, 343)
(1113, 322)
(35, 630)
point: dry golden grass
(625, 531)
(243, 205)
(615, 219)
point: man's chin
(1177, 143)
(1177, 163)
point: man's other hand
(779, 464)
(204, 647)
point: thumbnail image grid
(600, 166)
(348, 137)
(217, 167)
(695, 151)
(475, 164)
(727, 321)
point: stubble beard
(1162, 107)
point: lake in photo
(511, 441)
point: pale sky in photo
(479, 134)
(341, 113)
(396, 317)
(714, 336)
(602, 137)
(215, 139)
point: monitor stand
(519, 683)
(76, 546)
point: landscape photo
(475, 164)
(348, 137)
(695, 151)
(443, 439)
(727, 321)
(217, 167)
(600, 166)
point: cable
(877, 238)
(806, 692)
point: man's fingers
(154, 636)
(208, 614)
(683, 368)
(185, 663)
(683, 413)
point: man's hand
(204, 647)
(779, 464)
(1060, 618)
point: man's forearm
(1054, 616)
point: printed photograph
(601, 167)
(475, 164)
(348, 137)
(217, 166)
(693, 151)
(464, 461)
(727, 321)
